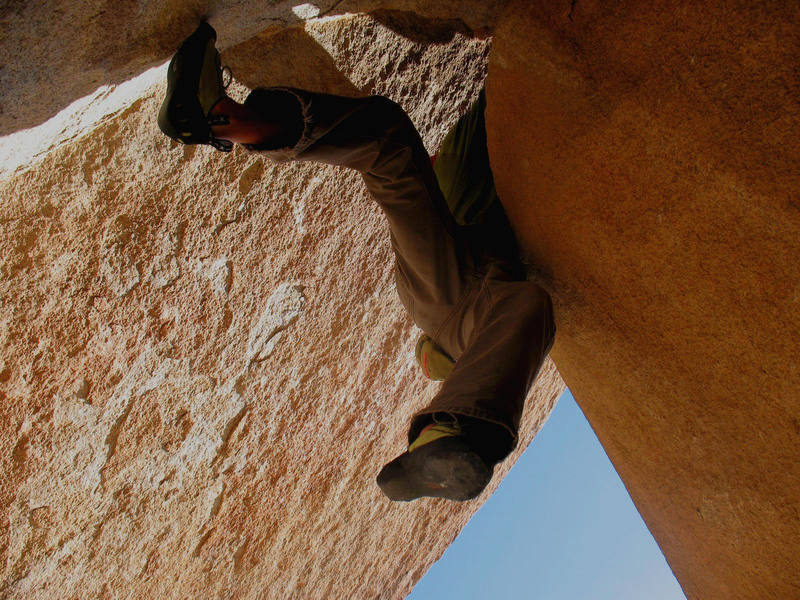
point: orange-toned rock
(203, 361)
(648, 156)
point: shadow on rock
(289, 57)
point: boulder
(647, 155)
(204, 361)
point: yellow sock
(433, 432)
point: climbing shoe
(194, 85)
(435, 363)
(439, 463)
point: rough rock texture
(55, 52)
(648, 156)
(204, 362)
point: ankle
(245, 126)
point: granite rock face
(647, 154)
(204, 361)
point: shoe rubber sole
(193, 86)
(446, 468)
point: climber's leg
(375, 137)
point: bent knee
(527, 299)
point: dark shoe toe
(194, 85)
(446, 468)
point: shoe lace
(220, 119)
(447, 419)
(221, 145)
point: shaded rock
(647, 155)
(55, 53)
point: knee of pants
(530, 302)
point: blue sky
(561, 526)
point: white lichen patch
(283, 307)
(218, 273)
(119, 272)
(165, 270)
(299, 204)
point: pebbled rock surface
(203, 361)
(648, 154)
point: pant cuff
(418, 420)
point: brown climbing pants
(478, 307)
